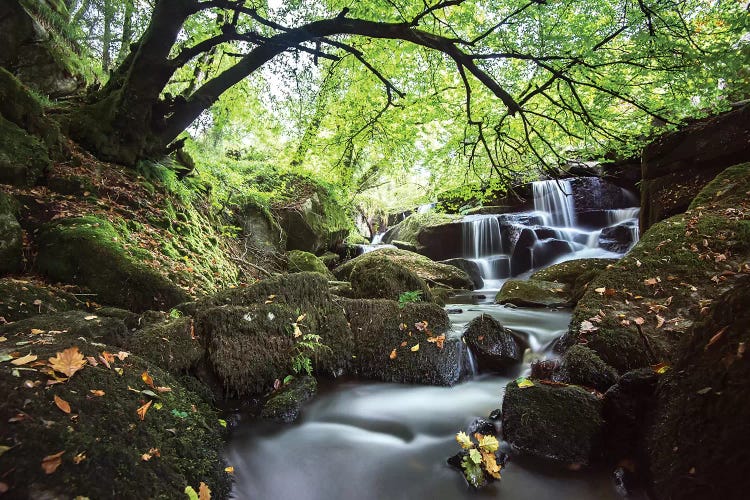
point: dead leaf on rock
(147, 379)
(716, 337)
(415, 348)
(97, 392)
(393, 354)
(79, 458)
(659, 321)
(89, 318)
(143, 409)
(438, 341)
(50, 463)
(68, 361)
(204, 493)
(24, 359)
(62, 404)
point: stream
(368, 440)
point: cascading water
(554, 199)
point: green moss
(382, 278)
(408, 230)
(20, 299)
(727, 189)
(172, 345)
(106, 435)
(285, 405)
(23, 158)
(11, 236)
(88, 251)
(534, 293)
(300, 261)
(582, 366)
(569, 271)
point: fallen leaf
(92, 360)
(68, 361)
(705, 390)
(62, 404)
(204, 493)
(229, 470)
(438, 341)
(50, 463)
(588, 327)
(79, 458)
(660, 368)
(651, 281)
(490, 464)
(3, 449)
(24, 360)
(190, 492)
(415, 348)
(464, 440)
(639, 321)
(147, 379)
(716, 337)
(403, 344)
(659, 321)
(301, 317)
(143, 409)
(89, 318)
(153, 452)
(97, 392)
(163, 389)
(524, 383)
(297, 331)
(37, 331)
(393, 354)
(122, 355)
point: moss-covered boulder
(381, 278)
(582, 366)
(570, 271)
(404, 345)
(563, 424)
(172, 344)
(20, 299)
(470, 267)
(88, 251)
(330, 259)
(534, 293)
(698, 444)
(77, 323)
(300, 261)
(113, 437)
(495, 347)
(635, 312)
(250, 333)
(11, 237)
(434, 234)
(285, 405)
(22, 108)
(23, 157)
(434, 273)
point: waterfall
(555, 199)
(481, 236)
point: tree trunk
(107, 36)
(127, 31)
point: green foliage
(307, 347)
(409, 297)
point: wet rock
(299, 261)
(534, 293)
(434, 273)
(21, 299)
(496, 414)
(285, 405)
(594, 193)
(698, 444)
(11, 237)
(470, 267)
(433, 234)
(330, 259)
(569, 271)
(88, 251)
(381, 278)
(678, 165)
(626, 408)
(582, 366)
(385, 337)
(495, 347)
(482, 426)
(563, 424)
(454, 310)
(618, 238)
(404, 245)
(544, 368)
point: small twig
(646, 343)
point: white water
(555, 200)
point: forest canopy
(364, 92)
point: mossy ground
(22, 298)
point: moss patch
(300, 261)
(11, 248)
(172, 345)
(582, 366)
(23, 158)
(381, 278)
(534, 293)
(569, 271)
(285, 405)
(20, 299)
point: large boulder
(300, 261)
(101, 329)
(634, 313)
(470, 267)
(171, 344)
(381, 278)
(698, 444)
(434, 273)
(435, 235)
(620, 237)
(314, 222)
(260, 230)
(560, 423)
(21, 299)
(570, 271)
(404, 344)
(495, 347)
(103, 429)
(534, 293)
(679, 164)
(582, 366)
(88, 251)
(11, 237)
(23, 157)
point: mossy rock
(676, 269)
(697, 444)
(285, 405)
(21, 299)
(434, 273)
(81, 324)
(342, 289)
(11, 237)
(534, 293)
(22, 108)
(300, 261)
(330, 259)
(582, 366)
(563, 424)
(23, 157)
(381, 278)
(433, 234)
(103, 444)
(570, 271)
(259, 227)
(88, 251)
(72, 185)
(380, 327)
(496, 347)
(172, 345)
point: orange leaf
(50, 463)
(716, 337)
(143, 409)
(393, 354)
(97, 392)
(163, 389)
(204, 493)
(438, 341)
(68, 362)
(62, 404)
(147, 379)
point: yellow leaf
(143, 409)
(79, 458)
(301, 318)
(297, 331)
(661, 368)
(147, 379)
(62, 404)
(23, 360)
(36, 331)
(393, 354)
(487, 443)
(229, 470)
(204, 493)
(523, 382)
(464, 440)
(89, 318)
(415, 348)
(68, 362)
(490, 464)
(50, 463)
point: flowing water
(376, 441)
